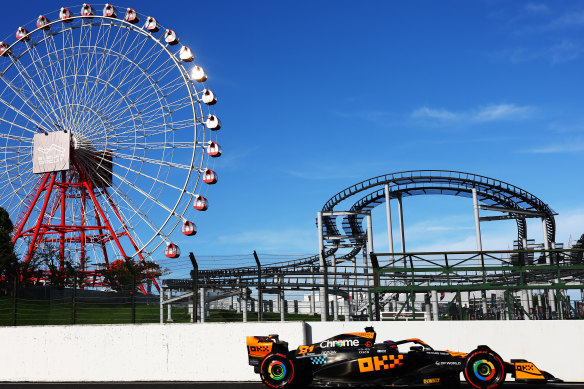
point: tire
(278, 371)
(484, 369)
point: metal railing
(547, 272)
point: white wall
(145, 352)
(217, 352)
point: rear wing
(258, 347)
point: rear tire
(278, 371)
(484, 369)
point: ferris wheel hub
(80, 142)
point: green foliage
(8, 259)
(61, 273)
(122, 275)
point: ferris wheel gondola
(214, 150)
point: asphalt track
(214, 385)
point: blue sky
(316, 96)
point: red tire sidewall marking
(503, 371)
(494, 356)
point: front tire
(484, 369)
(278, 371)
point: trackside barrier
(142, 352)
(216, 351)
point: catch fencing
(44, 305)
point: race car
(354, 359)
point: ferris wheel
(107, 135)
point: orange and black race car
(355, 359)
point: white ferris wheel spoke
(18, 111)
(102, 63)
(157, 162)
(137, 210)
(55, 64)
(19, 93)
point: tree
(47, 256)
(8, 259)
(122, 274)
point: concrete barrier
(216, 351)
(147, 352)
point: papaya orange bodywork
(456, 354)
(259, 346)
(366, 335)
(527, 370)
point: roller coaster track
(490, 192)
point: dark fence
(44, 305)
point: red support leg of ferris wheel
(33, 244)
(74, 186)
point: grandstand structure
(349, 276)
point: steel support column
(479, 244)
(347, 305)
(312, 294)
(335, 296)
(169, 305)
(388, 216)
(546, 246)
(525, 303)
(322, 261)
(369, 247)
(435, 312)
(389, 234)
(195, 286)
(161, 306)
(202, 305)
(402, 236)
(260, 297)
(244, 303)
(282, 304)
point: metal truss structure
(335, 270)
(517, 271)
(495, 195)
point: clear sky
(315, 96)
